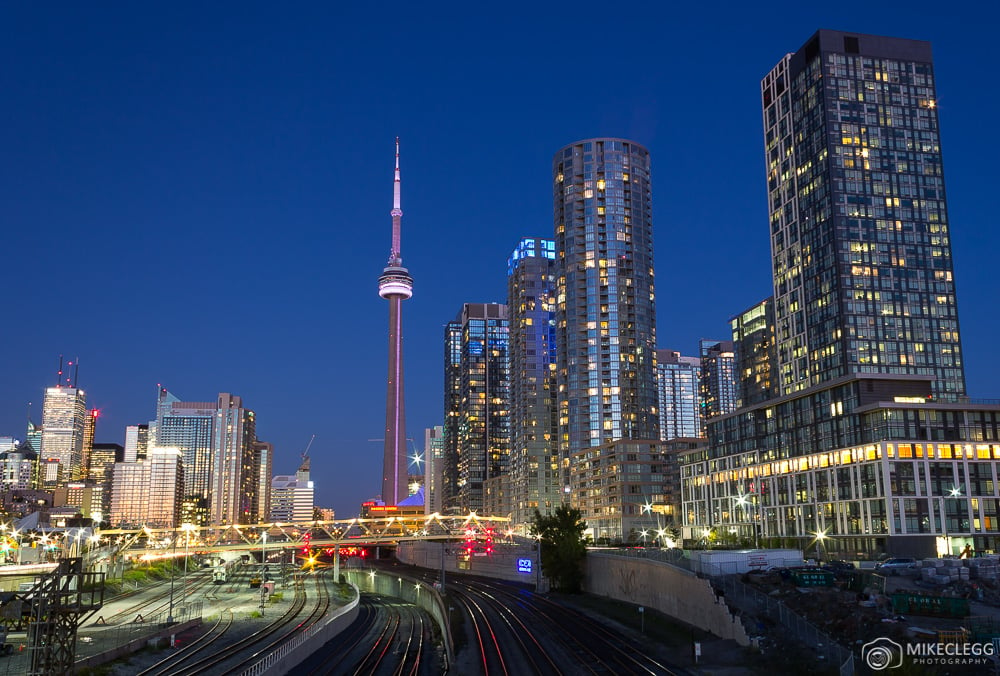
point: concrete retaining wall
(670, 590)
(406, 588)
(502, 564)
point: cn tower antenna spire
(395, 285)
(396, 256)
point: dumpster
(936, 606)
(813, 577)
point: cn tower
(395, 285)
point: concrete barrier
(673, 591)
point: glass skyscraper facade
(64, 417)
(753, 342)
(536, 475)
(449, 498)
(718, 378)
(605, 324)
(187, 426)
(482, 401)
(863, 279)
(220, 457)
(677, 380)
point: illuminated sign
(524, 565)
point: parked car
(838, 567)
(893, 566)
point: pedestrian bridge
(389, 530)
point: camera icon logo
(882, 653)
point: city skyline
(220, 201)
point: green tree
(563, 547)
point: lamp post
(538, 563)
(953, 492)
(820, 537)
(17, 543)
(173, 566)
(746, 502)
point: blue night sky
(198, 195)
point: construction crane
(305, 454)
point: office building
(233, 476)
(136, 442)
(129, 495)
(292, 496)
(479, 397)
(263, 460)
(188, 427)
(33, 436)
(536, 474)
(89, 430)
(216, 441)
(64, 417)
(18, 468)
(148, 492)
(871, 444)
(102, 460)
(433, 469)
(678, 381)
(91, 499)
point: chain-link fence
(752, 602)
(96, 637)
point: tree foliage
(563, 547)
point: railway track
(388, 638)
(216, 653)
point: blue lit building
(536, 480)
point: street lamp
(746, 503)
(953, 492)
(173, 566)
(644, 533)
(820, 537)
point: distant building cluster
(836, 410)
(197, 463)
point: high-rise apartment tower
(605, 324)
(863, 280)
(536, 480)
